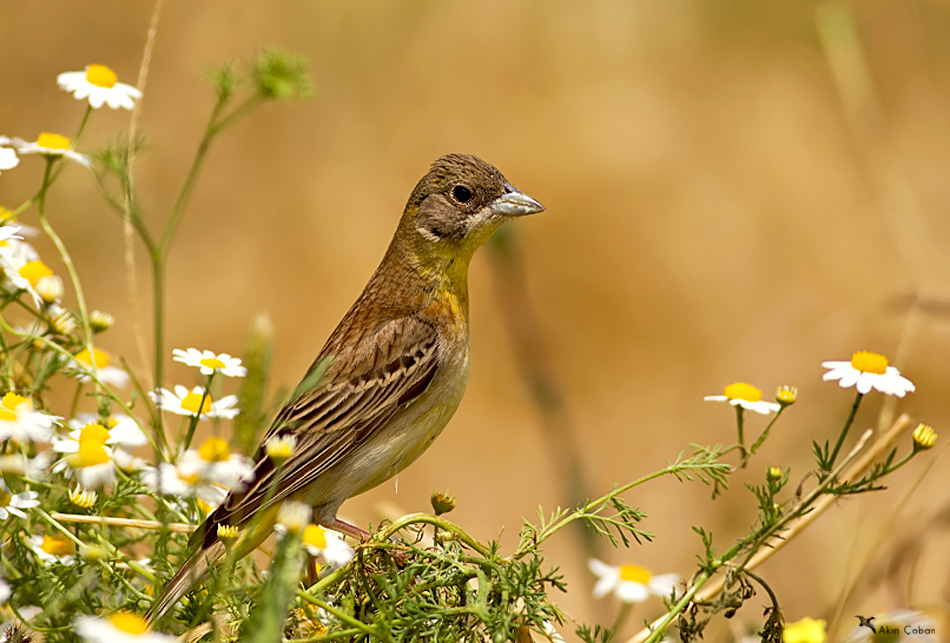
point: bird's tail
(188, 575)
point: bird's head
(456, 207)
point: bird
(388, 379)
(866, 622)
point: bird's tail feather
(188, 575)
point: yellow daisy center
(191, 479)
(102, 360)
(34, 271)
(91, 453)
(94, 434)
(743, 391)
(192, 402)
(52, 141)
(212, 362)
(129, 623)
(101, 76)
(7, 414)
(11, 401)
(315, 536)
(5, 498)
(58, 545)
(214, 450)
(868, 362)
(634, 574)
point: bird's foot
(350, 530)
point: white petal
(715, 398)
(864, 382)
(632, 592)
(663, 584)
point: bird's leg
(350, 530)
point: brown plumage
(389, 377)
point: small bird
(866, 622)
(388, 379)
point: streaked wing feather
(360, 392)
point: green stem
(622, 615)
(740, 419)
(844, 431)
(659, 631)
(765, 432)
(368, 630)
(436, 521)
(193, 423)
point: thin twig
(131, 523)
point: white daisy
(335, 550)
(9, 232)
(50, 145)
(293, 517)
(121, 627)
(868, 370)
(106, 373)
(53, 548)
(208, 472)
(88, 457)
(18, 464)
(745, 396)
(24, 274)
(209, 362)
(123, 431)
(630, 584)
(8, 158)
(185, 402)
(99, 84)
(14, 504)
(5, 591)
(20, 422)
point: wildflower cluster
(98, 495)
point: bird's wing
(361, 390)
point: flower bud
(924, 437)
(100, 321)
(50, 288)
(442, 503)
(786, 395)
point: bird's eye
(461, 194)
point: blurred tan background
(731, 196)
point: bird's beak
(514, 203)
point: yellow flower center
(214, 450)
(807, 630)
(129, 623)
(212, 362)
(191, 479)
(5, 498)
(102, 360)
(743, 391)
(101, 76)
(34, 271)
(91, 453)
(94, 434)
(315, 536)
(868, 362)
(52, 141)
(9, 404)
(634, 574)
(58, 545)
(192, 402)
